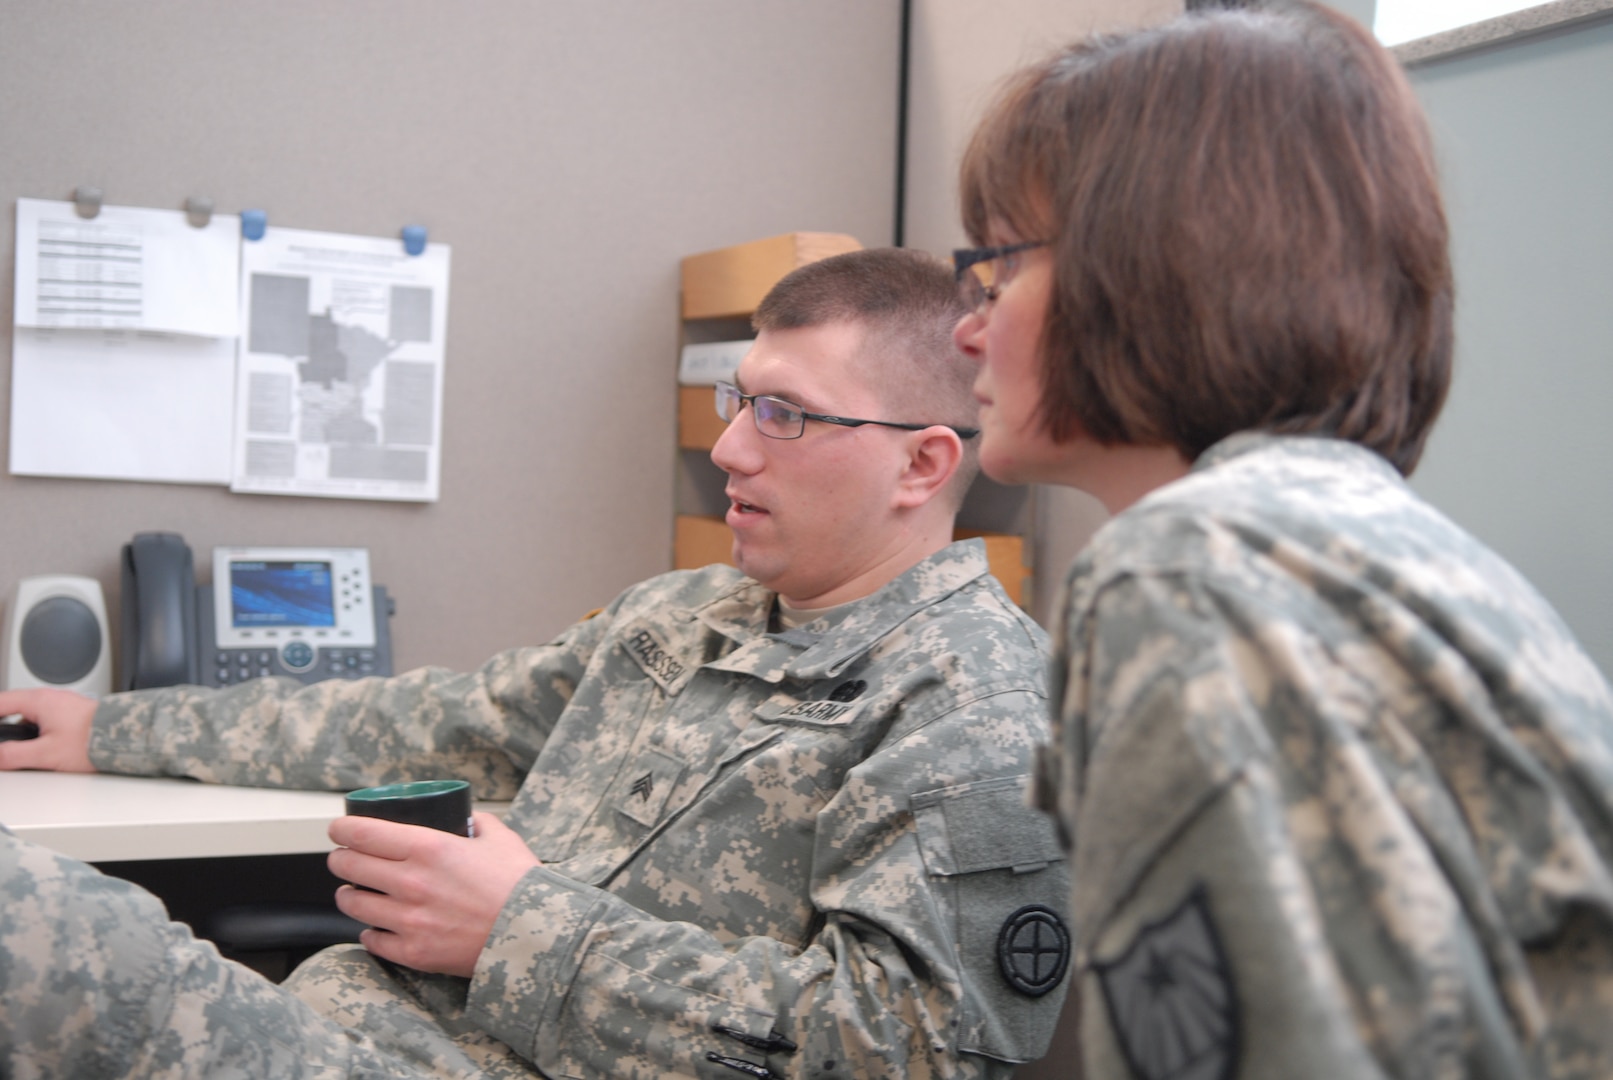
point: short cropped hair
(1246, 228)
(907, 302)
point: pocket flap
(648, 786)
(983, 825)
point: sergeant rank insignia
(1171, 999)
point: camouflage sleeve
(1252, 893)
(899, 978)
(96, 982)
(485, 726)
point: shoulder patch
(1171, 998)
(1033, 949)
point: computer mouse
(18, 729)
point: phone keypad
(238, 665)
(348, 663)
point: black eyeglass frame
(842, 421)
(976, 293)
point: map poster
(338, 387)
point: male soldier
(769, 821)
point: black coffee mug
(436, 804)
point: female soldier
(1335, 779)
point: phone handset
(158, 612)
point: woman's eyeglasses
(983, 271)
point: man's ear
(933, 456)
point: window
(1399, 21)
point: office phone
(310, 613)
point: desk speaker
(56, 635)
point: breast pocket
(644, 788)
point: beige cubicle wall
(1520, 456)
(570, 154)
(961, 51)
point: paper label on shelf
(707, 363)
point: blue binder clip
(414, 239)
(253, 222)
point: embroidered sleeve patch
(1033, 949)
(1171, 998)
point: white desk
(100, 818)
(104, 818)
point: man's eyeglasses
(780, 419)
(980, 277)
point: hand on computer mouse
(60, 738)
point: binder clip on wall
(87, 201)
(199, 211)
(253, 222)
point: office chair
(273, 938)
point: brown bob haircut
(1246, 228)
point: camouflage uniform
(96, 982)
(1337, 784)
(804, 853)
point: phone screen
(266, 594)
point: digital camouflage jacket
(801, 853)
(1339, 786)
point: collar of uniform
(740, 612)
(805, 654)
(1244, 443)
